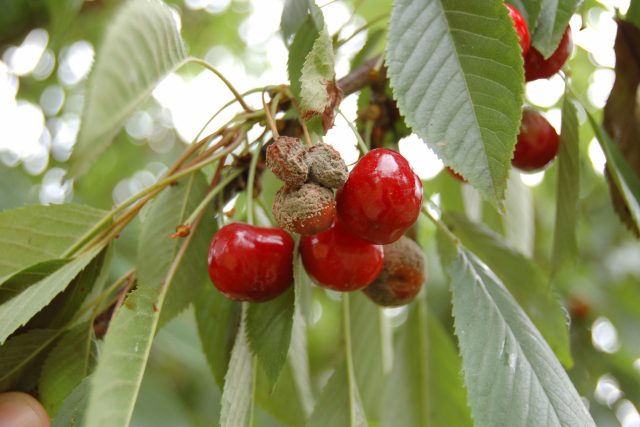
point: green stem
(369, 24)
(251, 183)
(361, 143)
(227, 83)
(213, 193)
(442, 227)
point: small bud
(285, 158)
(308, 210)
(326, 167)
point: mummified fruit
(285, 158)
(308, 210)
(326, 167)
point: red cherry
(521, 28)
(339, 260)
(536, 67)
(249, 263)
(537, 143)
(381, 198)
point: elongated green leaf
(303, 289)
(524, 279)
(456, 71)
(19, 309)
(633, 13)
(65, 367)
(34, 234)
(568, 189)
(530, 10)
(157, 251)
(511, 374)
(142, 45)
(300, 48)
(622, 174)
(317, 82)
(269, 332)
(425, 387)
(295, 12)
(19, 351)
(218, 320)
(299, 363)
(553, 20)
(72, 412)
(518, 219)
(372, 351)
(237, 394)
(17, 282)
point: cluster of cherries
(538, 141)
(354, 241)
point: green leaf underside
(519, 219)
(623, 175)
(553, 20)
(295, 12)
(34, 234)
(524, 279)
(511, 374)
(338, 404)
(300, 48)
(141, 46)
(218, 320)
(298, 361)
(567, 190)
(72, 411)
(425, 386)
(19, 309)
(269, 327)
(237, 394)
(530, 10)
(456, 71)
(66, 366)
(17, 282)
(19, 351)
(317, 71)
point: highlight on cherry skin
(537, 67)
(524, 37)
(538, 142)
(250, 263)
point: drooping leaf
(511, 374)
(65, 367)
(567, 189)
(530, 10)
(33, 234)
(269, 327)
(372, 351)
(339, 403)
(17, 282)
(19, 351)
(141, 46)
(237, 395)
(72, 411)
(298, 51)
(157, 251)
(295, 13)
(456, 72)
(19, 309)
(620, 119)
(524, 279)
(298, 361)
(425, 387)
(218, 319)
(553, 20)
(518, 219)
(303, 289)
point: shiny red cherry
(537, 143)
(536, 67)
(249, 263)
(381, 198)
(338, 260)
(521, 28)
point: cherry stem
(227, 83)
(364, 27)
(269, 115)
(251, 183)
(209, 197)
(440, 225)
(361, 144)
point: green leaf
(524, 279)
(17, 282)
(622, 174)
(157, 251)
(425, 387)
(303, 287)
(269, 332)
(72, 411)
(19, 309)
(66, 366)
(300, 48)
(567, 190)
(519, 220)
(530, 10)
(218, 319)
(633, 13)
(141, 46)
(237, 394)
(553, 20)
(299, 363)
(339, 403)
(511, 374)
(295, 12)
(19, 351)
(33, 234)
(372, 351)
(456, 71)
(318, 76)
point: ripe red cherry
(339, 260)
(521, 28)
(249, 263)
(537, 143)
(381, 198)
(536, 67)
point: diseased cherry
(402, 276)
(286, 159)
(537, 143)
(381, 198)
(536, 67)
(521, 28)
(249, 263)
(338, 260)
(308, 210)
